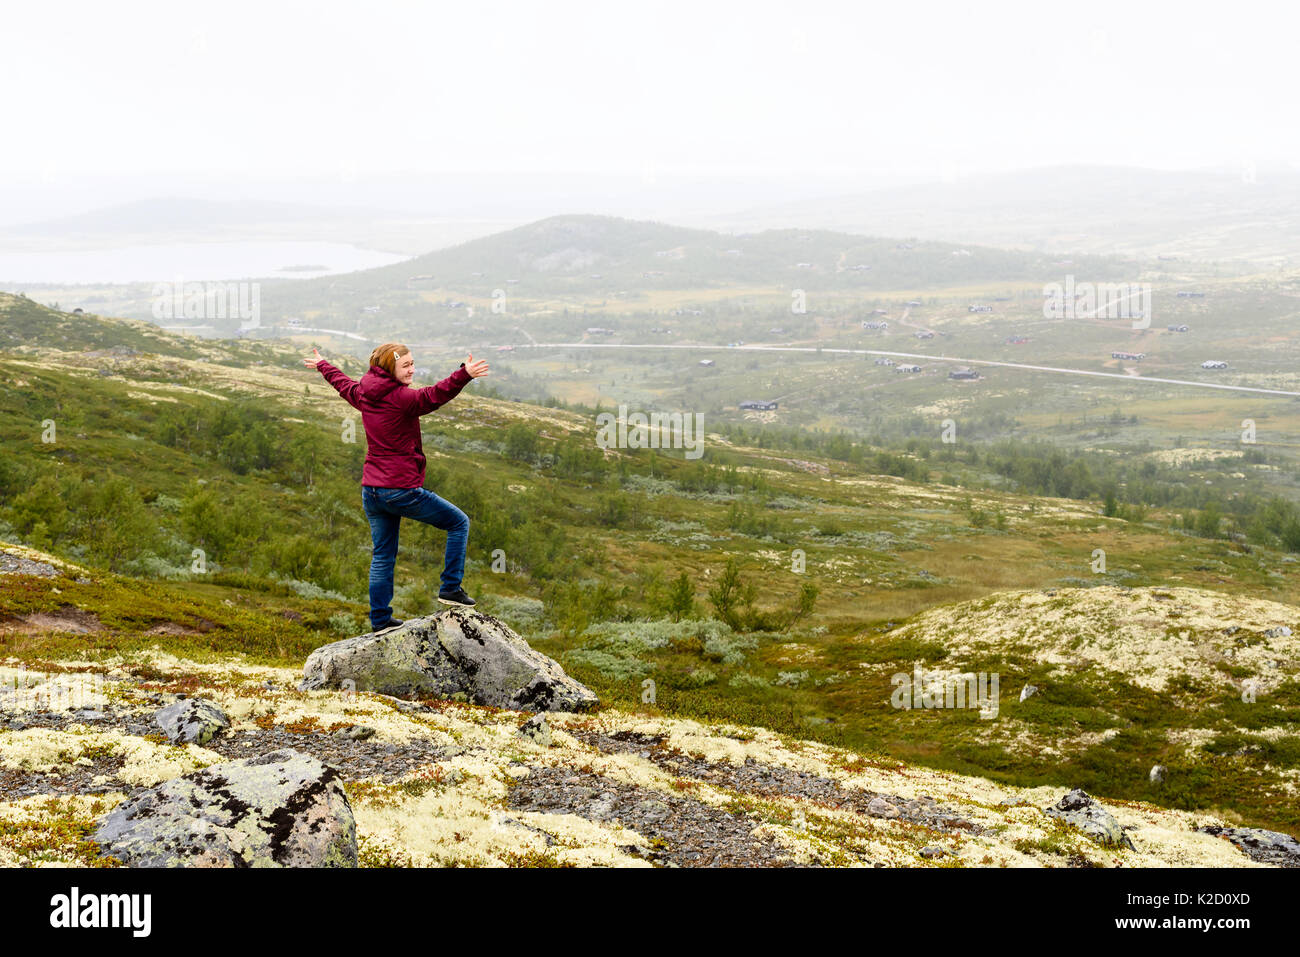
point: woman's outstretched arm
(432, 396)
(346, 387)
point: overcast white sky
(853, 93)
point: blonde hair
(386, 356)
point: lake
(190, 261)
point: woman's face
(404, 368)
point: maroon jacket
(391, 414)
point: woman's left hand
(311, 363)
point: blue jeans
(386, 507)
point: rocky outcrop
(18, 559)
(18, 565)
(281, 809)
(1266, 847)
(193, 720)
(458, 654)
(1077, 808)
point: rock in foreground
(1079, 809)
(1267, 847)
(281, 809)
(457, 654)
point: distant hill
(1251, 214)
(595, 260)
(604, 252)
(598, 263)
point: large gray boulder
(1266, 847)
(1079, 809)
(281, 809)
(191, 719)
(459, 654)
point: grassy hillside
(29, 328)
(231, 490)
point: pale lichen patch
(1147, 635)
(145, 762)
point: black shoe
(387, 626)
(457, 597)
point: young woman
(392, 481)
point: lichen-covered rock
(537, 729)
(458, 654)
(191, 719)
(281, 809)
(1266, 847)
(1080, 810)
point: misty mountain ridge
(1251, 212)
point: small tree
(807, 598)
(1111, 506)
(521, 443)
(1207, 522)
(681, 598)
(730, 595)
